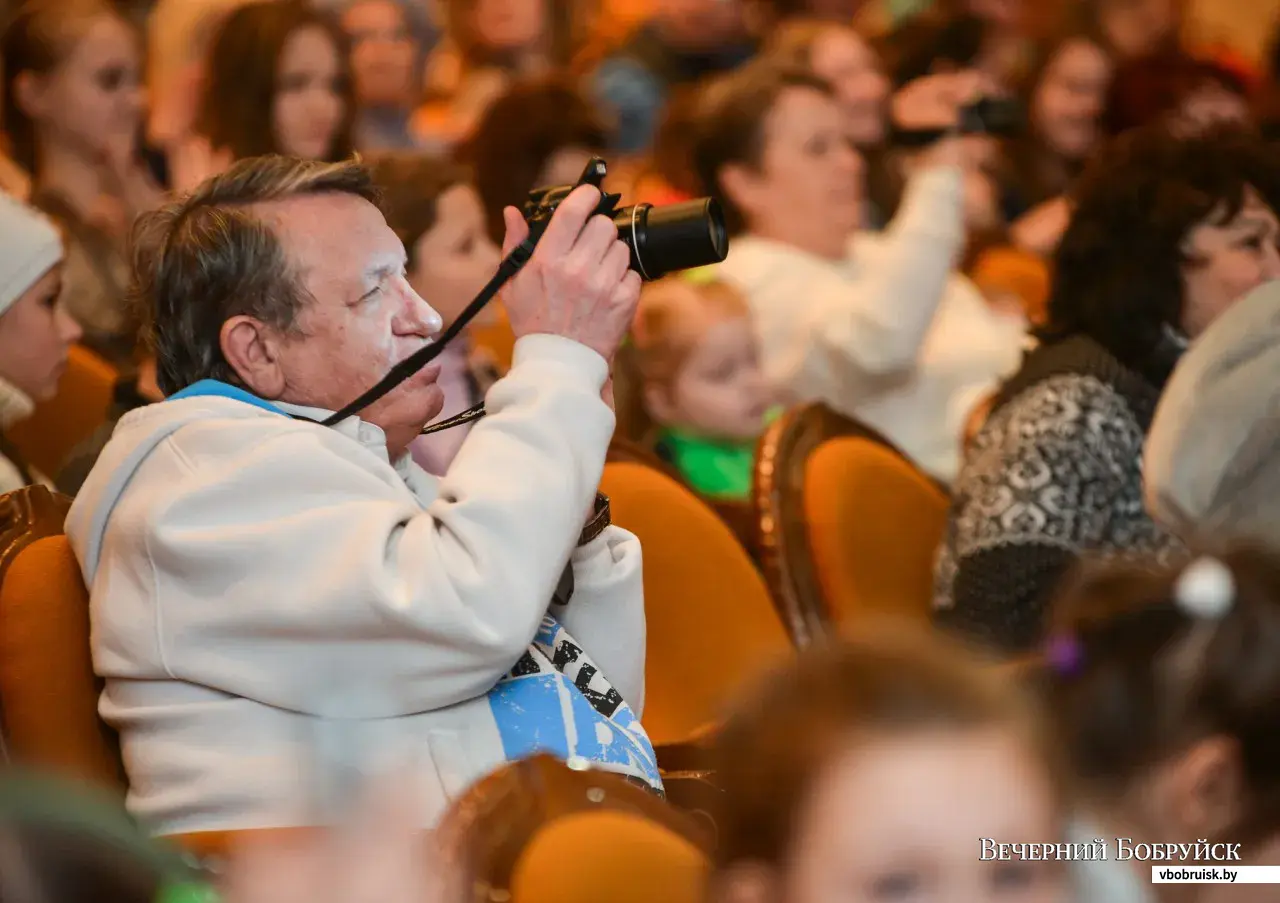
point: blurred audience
(670, 176)
(386, 66)
(436, 627)
(436, 213)
(685, 41)
(1165, 688)
(702, 399)
(35, 328)
(870, 769)
(179, 34)
(1133, 29)
(72, 110)
(489, 45)
(1167, 233)
(538, 134)
(880, 327)
(278, 83)
(1193, 93)
(942, 42)
(838, 54)
(1036, 246)
(1065, 97)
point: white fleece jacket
(891, 334)
(261, 583)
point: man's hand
(578, 284)
(935, 101)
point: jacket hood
(136, 436)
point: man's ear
(252, 350)
(1207, 786)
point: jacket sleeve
(606, 613)
(830, 335)
(298, 576)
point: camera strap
(511, 264)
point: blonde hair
(665, 332)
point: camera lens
(674, 237)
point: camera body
(1000, 117)
(662, 240)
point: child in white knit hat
(35, 330)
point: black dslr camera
(662, 239)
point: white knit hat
(29, 247)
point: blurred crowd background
(992, 355)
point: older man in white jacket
(256, 576)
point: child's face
(719, 391)
(901, 818)
(455, 259)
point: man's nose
(417, 317)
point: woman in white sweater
(878, 326)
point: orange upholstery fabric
(874, 525)
(1013, 272)
(80, 407)
(496, 338)
(48, 691)
(711, 622)
(620, 857)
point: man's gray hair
(207, 257)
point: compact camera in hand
(1000, 117)
(661, 239)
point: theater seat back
(711, 623)
(48, 691)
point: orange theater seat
(874, 525)
(711, 623)
(48, 691)
(621, 857)
(848, 524)
(508, 834)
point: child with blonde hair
(701, 397)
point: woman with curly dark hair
(1166, 234)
